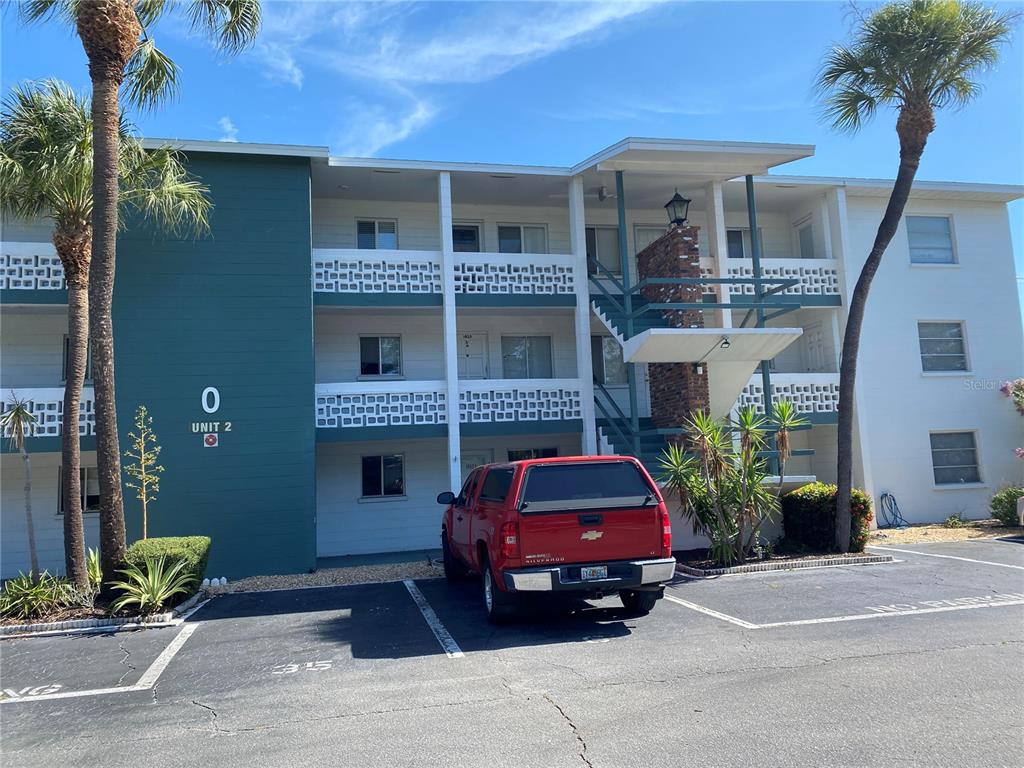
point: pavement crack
(127, 654)
(582, 752)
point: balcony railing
(30, 267)
(810, 393)
(414, 403)
(538, 274)
(815, 277)
(352, 270)
(47, 405)
(508, 400)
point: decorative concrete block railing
(548, 274)
(47, 405)
(31, 266)
(384, 272)
(381, 404)
(818, 277)
(810, 393)
(506, 400)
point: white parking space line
(949, 557)
(145, 683)
(910, 612)
(447, 642)
(709, 612)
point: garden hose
(889, 512)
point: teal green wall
(232, 310)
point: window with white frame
(466, 238)
(609, 367)
(532, 453)
(526, 357)
(380, 355)
(90, 490)
(383, 476)
(738, 245)
(67, 353)
(954, 458)
(603, 247)
(930, 239)
(942, 346)
(805, 238)
(522, 238)
(377, 234)
(645, 234)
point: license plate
(591, 572)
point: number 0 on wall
(211, 399)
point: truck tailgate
(587, 512)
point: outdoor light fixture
(677, 209)
(725, 343)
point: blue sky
(541, 83)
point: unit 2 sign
(211, 430)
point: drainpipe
(755, 253)
(627, 302)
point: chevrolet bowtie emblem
(591, 535)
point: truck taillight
(510, 540)
(666, 534)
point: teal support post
(755, 255)
(627, 303)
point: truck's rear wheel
(499, 604)
(638, 603)
(454, 570)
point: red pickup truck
(586, 525)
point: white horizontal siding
(497, 448)
(334, 222)
(32, 349)
(336, 347)
(49, 526)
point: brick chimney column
(677, 389)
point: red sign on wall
(210, 440)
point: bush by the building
(809, 517)
(1004, 504)
(194, 550)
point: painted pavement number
(31, 690)
(958, 601)
(291, 667)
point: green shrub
(193, 550)
(954, 521)
(154, 585)
(809, 514)
(1004, 504)
(29, 596)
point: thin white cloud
(387, 47)
(230, 132)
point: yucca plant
(94, 570)
(29, 596)
(151, 586)
(18, 423)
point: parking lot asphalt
(917, 662)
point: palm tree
(121, 53)
(18, 423)
(46, 169)
(917, 57)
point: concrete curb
(83, 626)
(820, 562)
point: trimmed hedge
(1004, 504)
(194, 550)
(809, 514)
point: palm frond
(231, 24)
(17, 421)
(42, 10)
(157, 184)
(148, 11)
(151, 77)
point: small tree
(18, 423)
(143, 469)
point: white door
(471, 461)
(473, 356)
(814, 348)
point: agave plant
(94, 570)
(30, 596)
(153, 585)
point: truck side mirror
(446, 498)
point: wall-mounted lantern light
(677, 209)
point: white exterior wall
(334, 222)
(899, 403)
(497, 448)
(32, 349)
(49, 526)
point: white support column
(718, 242)
(584, 364)
(451, 336)
(848, 271)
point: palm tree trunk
(71, 457)
(30, 528)
(913, 127)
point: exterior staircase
(651, 443)
(615, 321)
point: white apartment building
(373, 329)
